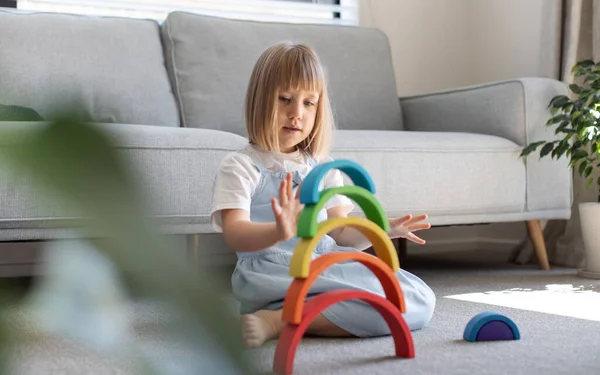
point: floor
(558, 315)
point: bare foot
(260, 327)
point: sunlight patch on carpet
(577, 301)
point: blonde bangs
(287, 66)
(299, 69)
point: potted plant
(577, 119)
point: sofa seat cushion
(438, 172)
(210, 60)
(106, 69)
(173, 169)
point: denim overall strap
(261, 210)
(257, 163)
(311, 161)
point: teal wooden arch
(309, 192)
(480, 320)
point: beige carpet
(557, 312)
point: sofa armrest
(516, 110)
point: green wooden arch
(307, 223)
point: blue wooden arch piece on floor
(309, 193)
(477, 324)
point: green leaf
(531, 147)
(562, 148)
(562, 128)
(558, 118)
(585, 63)
(582, 167)
(591, 77)
(588, 171)
(589, 182)
(594, 148)
(575, 88)
(546, 149)
(585, 141)
(559, 101)
(578, 154)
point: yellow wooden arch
(384, 249)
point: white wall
(428, 39)
(440, 44)
(514, 38)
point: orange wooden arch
(299, 288)
(291, 335)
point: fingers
(286, 190)
(283, 197)
(416, 219)
(276, 207)
(408, 220)
(417, 227)
(415, 239)
(290, 186)
(401, 220)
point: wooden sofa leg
(534, 229)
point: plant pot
(589, 215)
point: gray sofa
(170, 95)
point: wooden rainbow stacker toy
(296, 313)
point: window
(344, 12)
(8, 3)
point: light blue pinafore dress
(261, 279)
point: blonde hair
(288, 66)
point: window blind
(343, 12)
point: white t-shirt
(238, 178)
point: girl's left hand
(403, 227)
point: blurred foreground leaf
(9, 298)
(76, 161)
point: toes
(252, 334)
(252, 343)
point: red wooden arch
(291, 335)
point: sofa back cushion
(105, 69)
(210, 60)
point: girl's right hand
(287, 210)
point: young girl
(289, 123)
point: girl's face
(296, 113)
